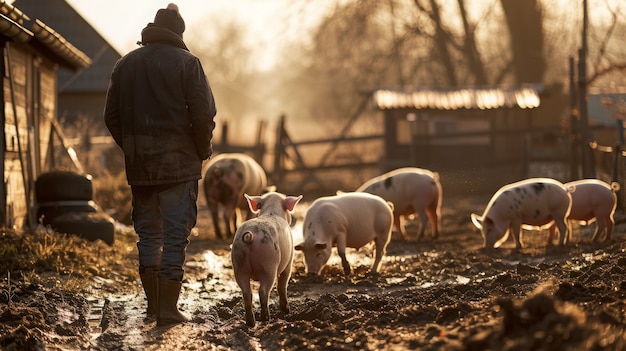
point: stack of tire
(65, 203)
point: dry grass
(112, 193)
(51, 259)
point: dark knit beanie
(170, 18)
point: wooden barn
(32, 54)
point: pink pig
(593, 200)
(345, 220)
(535, 202)
(262, 250)
(412, 191)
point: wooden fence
(322, 166)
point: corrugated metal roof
(59, 15)
(59, 45)
(13, 30)
(483, 98)
(12, 26)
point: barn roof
(68, 22)
(483, 98)
(13, 24)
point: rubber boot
(150, 282)
(168, 313)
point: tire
(63, 186)
(48, 211)
(90, 226)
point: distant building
(81, 93)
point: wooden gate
(336, 167)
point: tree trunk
(524, 19)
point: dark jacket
(160, 110)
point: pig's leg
(515, 229)
(561, 223)
(341, 250)
(399, 226)
(603, 224)
(434, 221)
(237, 218)
(600, 227)
(244, 284)
(381, 245)
(610, 225)
(213, 207)
(229, 209)
(423, 223)
(283, 280)
(551, 234)
(267, 282)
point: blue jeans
(163, 216)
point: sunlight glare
(214, 263)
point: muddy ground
(443, 294)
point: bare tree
(608, 44)
(365, 44)
(470, 50)
(227, 58)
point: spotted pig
(534, 202)
(227, 177)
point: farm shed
(474, 134)
(32, 53)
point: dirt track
(444, 294)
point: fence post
(279, 150)
(574, 138)
(259, 147)
(224, 141)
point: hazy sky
(269, 21)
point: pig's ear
(321, 246)
(253, 203)
(477, 221)
(290, 202)
(300, 247)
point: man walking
(160, 111)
